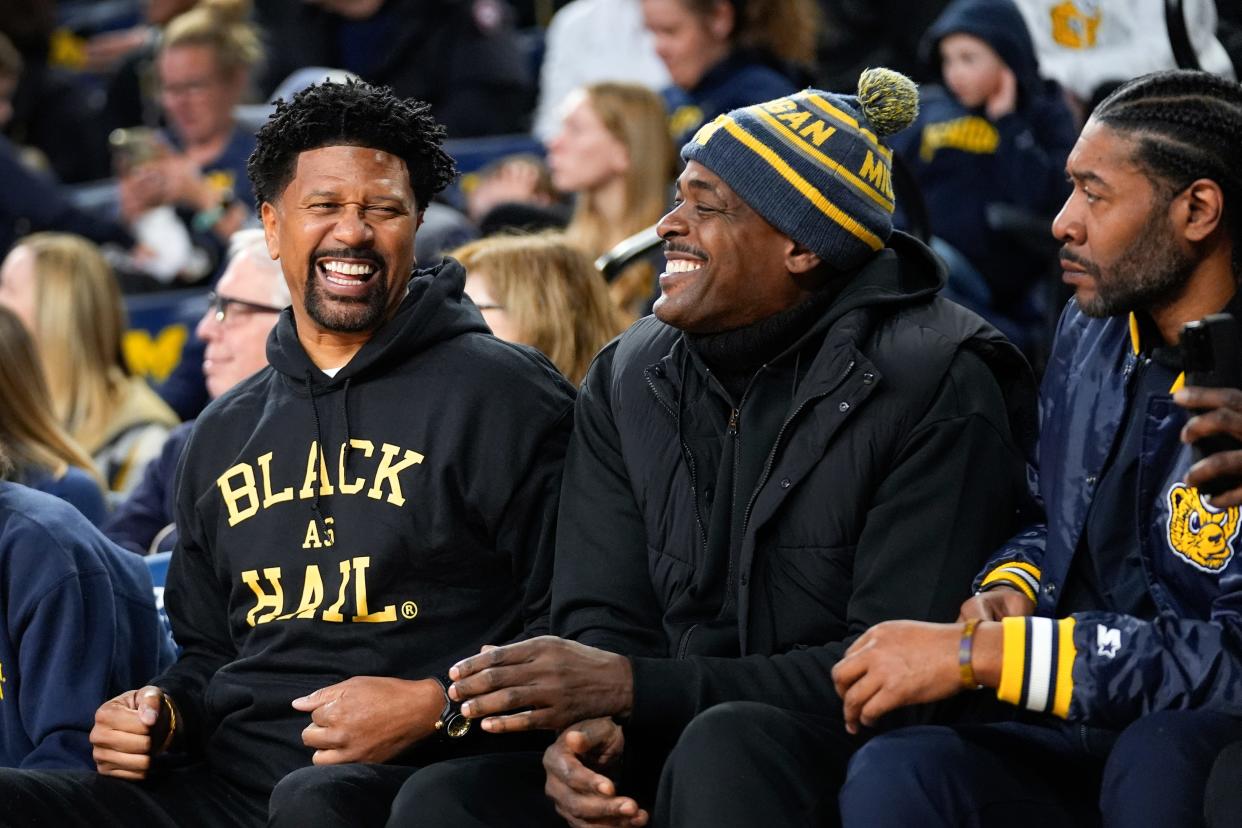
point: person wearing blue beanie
(779, 458)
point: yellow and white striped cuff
(1017, 574)
(1037, 664)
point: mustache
(364, 254)
(1086, 264)
(682, 247)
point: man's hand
(369, 718)
(128, 731)
(996, 603)
(900, 663)
(561, 681)
(1222, 414)
(583, 796)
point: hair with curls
(1185, 124)
(354, 114)
(785, 29)
(551, 290)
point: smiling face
(343, 230)
(1119, 250)
(971, 68)
(727, 267)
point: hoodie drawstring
(345, 449)
(318, 442)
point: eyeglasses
(219, 306)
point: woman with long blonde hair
(64, 293)
(42, 455)
(544, 292)
(614, 153)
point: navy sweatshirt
(962, 161)
(387, 521)
(79, 627)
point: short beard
(1150, 273)
(346, 314)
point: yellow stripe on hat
(801, 146)
(852, 122)
(803, 186)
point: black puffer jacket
(897, 468)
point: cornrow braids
(1186, 125)
(350, 114)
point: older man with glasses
(241, 313)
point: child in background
(994, 133)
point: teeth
(348, 268)
(681, 266)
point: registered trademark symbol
(409, 609)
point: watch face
(457, 726)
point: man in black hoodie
(374, 506)
(803, 441)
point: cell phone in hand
(1212, 358)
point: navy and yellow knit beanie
(813, 164)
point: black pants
(737, 764)
(186, 797)
(1011, 775)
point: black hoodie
(431, 536)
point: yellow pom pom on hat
(814, 164)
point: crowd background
(127, 125)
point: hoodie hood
(905, 270)
(999, 24)
(435, 308)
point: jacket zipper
(780, 435)
(685, 449)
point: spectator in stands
(63, 291)
(613, 153)
(1114, 617)
(591, 41)
(543, 292)
(722, 54)
(33, 202)
(992, 133)
(235, 328)
(43, 456)
(204, 64)
(432, 521)
(127, 57)
(1089, 46)
(461, 56)
(772, 463)
(79, 625)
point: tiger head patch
(1198, 534)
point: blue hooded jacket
(79, 627)
(962, 161)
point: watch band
(451, 724)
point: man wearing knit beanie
(803, 441)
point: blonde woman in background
(614, 153)
(43, 455)
(543, 292)
(64, 293)
(203, 67)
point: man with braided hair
(374, 505)
(774, 461)
(1114, 622)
